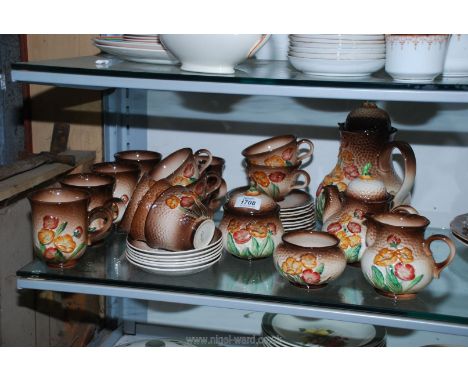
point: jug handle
(404, 209)
(385, 166)
(262, 41)
(438, 267)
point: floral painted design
(395, 261)
(323, 337)
(56, 246)
(348, 230)
(189, 170)
(251, 240)
(306, 270)
(275, 161)
(267, 182)
(287, 155)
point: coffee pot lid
(250, 201)
(368, 117)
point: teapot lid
(367, 187)
(249, 201)
(367, 117)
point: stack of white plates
(162, 262)
(337, 55)
(137, 48)
(281, 330)
(297, 211)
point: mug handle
(198, 159)
(113, 206)
(262, 41)
(297, 174)
(385, 165)
(309, 152)
(404, 209)
(215, 186)
(99, 213)
(440, 266)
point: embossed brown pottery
(398, 261)
(251, 226)
(144, 158)
(277, 182)
(178, 221)
(137, 228)
(367, 137)
(182, 167)
(279, 151)
(100, 188)
(60, 221)
(126, 178)
(217, 165)
(344, 214)
(204, 187)
(309, 259)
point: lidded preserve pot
(251, 226)
(367, 137)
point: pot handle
(99, 213)
(262, 41)
(404, 209)
(386, 167)
(297, 174)
(113, 206)
(309, 152)
(198, 158)
(438, 267)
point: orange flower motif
(275, 161)
(257, 230)
(345, 243)
(337, 174)
(65, 243)
(385, 257)
(234, 225)
(181, 181)
(292, 267)
(355, 240)
(309, 261)
(172, 202)
(347, 156)
(342, 186)
(405, 255)
(45, 236)
(346, 219)
(261, 178)
(252, 192)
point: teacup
(277, 182)
(178, 221)
(217, 165)
(279, 151)
(182, 167)
(126, 177)
(207, 185)
(100, 188)
(60, 221)
(144, 158)
(309, 259)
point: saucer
(459, 227)
(296, 199)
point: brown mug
(279, 151)
(206, 186)
(100, 188)
(126, 178)
(144, 158)
(60, 221)
(182, 167)
(277, 182)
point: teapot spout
(333, 202)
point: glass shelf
(240, 284)
(253, 77)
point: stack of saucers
(297, 211)
(281, 330)
(337, 55)
(137, 48)
(162, 262)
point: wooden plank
(22, 182)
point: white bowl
(338, 55)
(212, 53)
(456, 60)
(354, 37)
(325, 48)
(415, 58)
(336, 68)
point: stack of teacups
(273, 167)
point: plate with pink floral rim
(296, 199)
(459, 227)
(302, 331)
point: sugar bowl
(251, 226)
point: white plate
(336, 43)
(338, 56)
(128, 44)
(339, 37)
(336, 68)
(140, 55)
(302, 219)
(186, 265)
(173, 272)
(307, 212)
(336, 49)
(175, 259)
(296, 199)
(301, 331)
